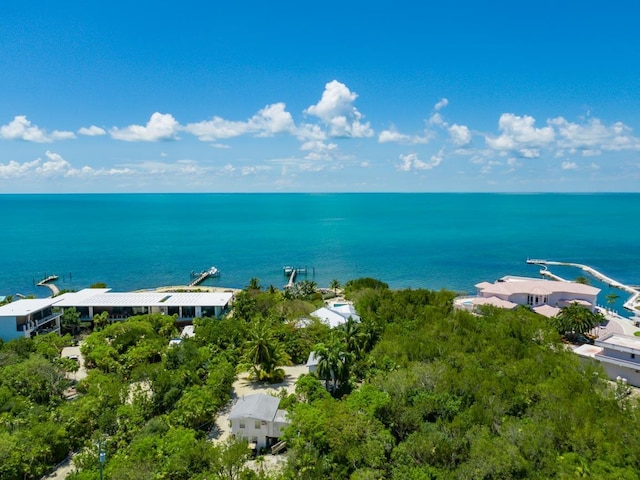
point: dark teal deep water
(408, 240)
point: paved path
(63, 470)
(617, 324)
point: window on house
(254, 439)
(242, 425)
(633, 355)
(257, 425)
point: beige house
(546, 297)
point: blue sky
(339, 96)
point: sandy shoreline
(187, 288)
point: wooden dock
(202, 276)
(46, 282)
(292, 279)
(292, 273)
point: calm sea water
(407, 240)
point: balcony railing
(31, 325)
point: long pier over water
(634, 292)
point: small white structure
(546, 297)
(619, 355)
(257, 419)
(336, 315)
(187, 332)
(28, 317)
(312, 363)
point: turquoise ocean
(453, 241)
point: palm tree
(612, 297)
(576, 319)
(100, 320)
(353, 337)
(254, 284)
(325, 366)
(71, 319)
(263, 352)
(334, 285)
(583, 280)
(334, 363)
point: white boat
(212, 272)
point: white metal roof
(106, 298)
(113, 299)
(332, 317)
(198, 299)
(25, 306)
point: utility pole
(101, 456)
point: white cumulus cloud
(594, 136)
(216, 128)
(569, 166)
(519, 134)
(412, 162)
(319, 150)
(54, 167)
(255, 169)
(460, 134)
(441, 104)
(14, 169)
(337, 111)
(393, 136)
(271, 120)
(20, 128)
(92, 131)
(161, 126)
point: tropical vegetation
(415, 390)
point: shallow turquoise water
(408, 240)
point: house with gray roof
(257, 419)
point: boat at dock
(202, 276)
(288, 270)
(212, 272)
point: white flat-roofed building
(121, 305)
(257, 419)
(535, 292)
(28, 317)
(619, 354)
